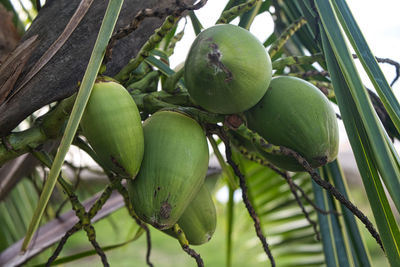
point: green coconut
(227, 69)
(295, 114)
(112, 125)
(174, 165)
(199, 220)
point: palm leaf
(197, 27)
(383, 214)
(326, 228)
(385, 162)
(88, 80)
(360, 254)
(291, 237)
(368, 60)
(335, 249)
(247, 18)
(54, 230)
(88, 253)
(15, 211)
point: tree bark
(59, 78)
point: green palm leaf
(106, 29)
(368, 60)
(385, 162)
(383, 214)
(356, 242)
(290, 235)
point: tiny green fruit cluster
(227, 69)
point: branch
(228, 15)
(269, 148)
(246, 200)
(388, 61)
(185, 245)
(289, 32)
(292, 185)
(46, 127)
(50, 125)
(296, 60)
(331, 189)
(146, 13)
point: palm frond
(290, 235)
